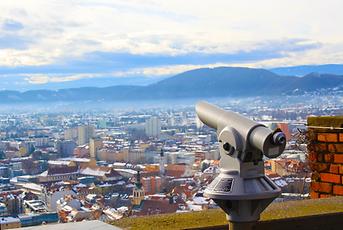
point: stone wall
(325, 148)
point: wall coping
(216, 217)
(326, 121)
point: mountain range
(302, 70)
(198, 83)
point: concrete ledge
(326, 121)
(216, 218)
(330, 221)
(84, 225)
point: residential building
(153, 127)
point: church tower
(162, 169)
(138, 191)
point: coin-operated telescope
(241, 189)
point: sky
(45, 41)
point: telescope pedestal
(241, 225)
(242, 199)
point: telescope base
(241, 225)
(242, 199)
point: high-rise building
(41, 141)
(95, 144)
(102, 124)
(28, 146)
(171, 121)
(70, 134)
(66, 148)
(153, 127)
(152, 185)
(84, 133)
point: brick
(341, 169)
(324, 195)
(334, 168)
(331, 148)
(321, 187)
(329, 177)
(314, 195)
(320, 157)
(338, 190)
(335, 148)
(341, 137)
(327, 137)
(315, 176)
(338, 158)
(310, 147)
(320, 147)
(339, 148)
(320, 167)
(312, 156)
(328, 157)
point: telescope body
(241, 189)
(252, 135)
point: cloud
(112, 65)
(61, 40)
(47, 78)
(12, 25)
(13, 42)
(107, 62)
(198, 55)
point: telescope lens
(279, 138)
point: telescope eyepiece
(279, 138)
(229, 149)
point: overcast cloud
(55, 41)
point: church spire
(138, 190)
(138, 180)
(162, 169)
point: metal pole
(241, 225)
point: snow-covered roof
(280, 183)
(199, 200)
(94, 172)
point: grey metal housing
(241, 189)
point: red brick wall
(325, 148)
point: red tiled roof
(113, 173)
(152, 207)
(62, 170)
(184, 188)
(175, 170)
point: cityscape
(148, 114)
(73, 166)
